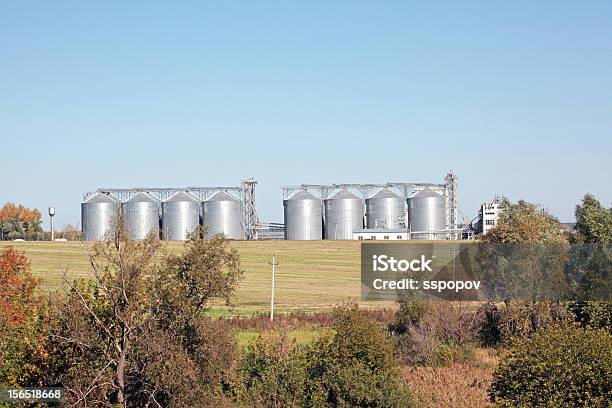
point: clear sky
(515, 97)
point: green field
(312, 275)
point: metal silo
(222, 214)
(98, 215)
(180, 216)
(385, 209)
(141, 215)
(343, 215)
(303, 217)
(427, 214)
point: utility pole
(274, 263)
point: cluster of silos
(307, 217)
(175, 218)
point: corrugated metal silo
(343, 215)
(180, 216)
(426, 214)
(385, 209)
(141, 215)
(222, 214)
(98, 215)
(303, 217)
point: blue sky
(515, 97)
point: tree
(560, 366)
(17, 221)
(139, 322)
(524, 255)
(71, 233)
(18, 299)
(593, 222)
(355, 366)
(590, 263)
(351, 365)
(524, 223)
(23, 323)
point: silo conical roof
(222, 196)
(385, 193)
(426, 192)
(303, 195)
(102, 198)
(141, 197)
(344, 193)
(180, 196)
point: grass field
(312, 275)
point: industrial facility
(425, 211)
(388, 211)
(171, 213)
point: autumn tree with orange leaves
(18, 299)
(19, 222)
(23, 323)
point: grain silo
(385, 209)
(180, 216)
(303, 217)
(343, 215)
(141, 215)
(427, 215)
(98, 216)
(222, 214)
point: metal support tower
(250, 218)
(452, 205)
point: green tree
(525, 223)
(273, 373)
(590, 263)
(524, 255)
(136, 335)
(593, 222)
(560, 366)
(354, 366)
(351, 365)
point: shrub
(521, 318)
(561, 366)
(445, 334)
(410, 313)
(489, 334)
(273, 373)
(517, 318)
(352, 365)
(595, 314)
(355, 366)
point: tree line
(19, 222)
(136, 333)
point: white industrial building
(488, 215)
(381, 234)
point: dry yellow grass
(312, 275)
(459, 385)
